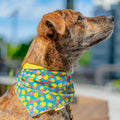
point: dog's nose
(110, 18)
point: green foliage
(116, 85)
(116, 82)
(12, 50)
(85, 59)
(18, 52)
(22, 51)
(1, 39)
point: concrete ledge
(5, 80)
(86, 108)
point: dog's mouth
(91, 44)
(100, 39)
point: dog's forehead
(68, 13)
(71, 11)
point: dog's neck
(43, 52)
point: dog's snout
(110, 18)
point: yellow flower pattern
(52, 90)
(23, 92)
(46, 77)
(48, 96)
(42, 104)
(41, 98)
(49, 104)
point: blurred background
(98, 71)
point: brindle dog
(62, 37)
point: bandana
(41, 90)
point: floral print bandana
(41, 90)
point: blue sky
(29, 14)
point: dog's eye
(80, 18)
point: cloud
(35, 9)
(29, 9)
(29, 14)
(106, 3)
(85, 8)
(8, 7)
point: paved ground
(103, 93)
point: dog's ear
(51, 21)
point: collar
(41, 90)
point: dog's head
(72, 33)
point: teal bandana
(41, 90)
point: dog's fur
(62, 37)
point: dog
(62, 37)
